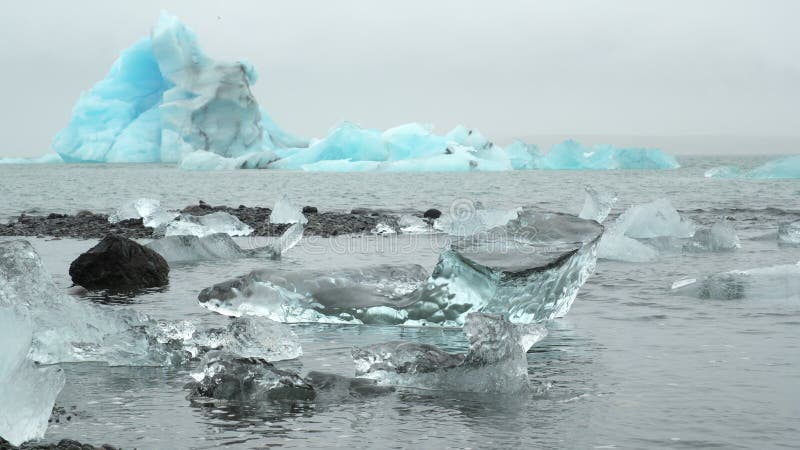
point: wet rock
(64, 444)
(432, 214)
(119, 263)
(310, 210)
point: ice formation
(164, 99)
(200, 226)
(66, 330)
(50, 158)
(597, 205)
(466, 218)
(27, 392)
(775, 282)
(149, 210)
(530, 270)
(789, 233)
(190, 248)
(720, 236)
(284, 211)
(496, 361)
(787, 167)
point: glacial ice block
(216, 222)
(495, 362)
(50, 158)
(597, 205)
(191, 248)
(67, 330)
(788, 167)
(163, 99)
(468, 218)
(530, 270)
(721, 236)
(655, 219)
(27, 392)
(572, 155)
(762, 283)
(284, 211)
(149, 210)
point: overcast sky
(510, 68)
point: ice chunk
(789, 233)
(227, 376)
(522, 155)
(531, 270)
(615, 246)
(253, 337)
(27, 392)
(723, 172)
(413, 225)
(496, 360)
(148, 210)
(654, 219)
(763, 283)
(284, 211)
(383, 228)
(788, 167)
(216, 222)
(466, 218)
(66, 330)
(164, 99)
(719, 237)
(597, 204)
(571, 155)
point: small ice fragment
(597, 204)
(284, 211)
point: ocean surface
(630, 366)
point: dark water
(631, 366)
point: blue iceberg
(164, 100)
(782, 168)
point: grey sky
(510, 68)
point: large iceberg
(496, 361)
(27, 392)
(164, 100)
(529, 270)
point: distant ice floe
(775, 282)
(165, 100)
(786, 167)
(50, 158)
(529, 270)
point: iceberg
(597, 205)
(66, 330)
(164, 99)
(495, 362)
(27, 392)
(284, 211)
(148, 210)
(191, 248)
(200, 226)
(530, 270)
(781, 168)
(789, 233)
(570, 155)
(723, 172)
(763, 283)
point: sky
(627, 72)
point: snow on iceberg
(27, 392)
(763, 283)
(530, 270)
(216, 222)
(67, 330)
(495, 362)
(163, 99)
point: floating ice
(50, 158)
(496, 361)
(654, 219)
(467, 218)
(27, 393)
(253, 338)
(530, 270)
(190, 248)
(66, 330)
(164, 99)
(413, 225)
(284, 211)
(786, 167)
(789, 233)
(719, 237)
(216, 222)
(597, 204)
(571, 155)
(148, 210)
(763, 283)
(723, 172)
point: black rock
(432, 214)
(310, 210)
(119, 263)
(64, 444)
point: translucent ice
(723, 172)
(616, 246)
(216, 222)
(284, 211)
(531, 270)
(776, 282)
(253, 338)
(654, 219)
(788, 167)
(466, 218)
(571, 155)
(789, 233)
(597, 204)
(719, 237)
(27, 392)
(50, 158)
(163, 99)
(148, 210)
(496, 361)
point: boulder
(432, 214)
(119, 263)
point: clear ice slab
(200, 226)
(530, 270)
(149, 210)
(495, 362)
